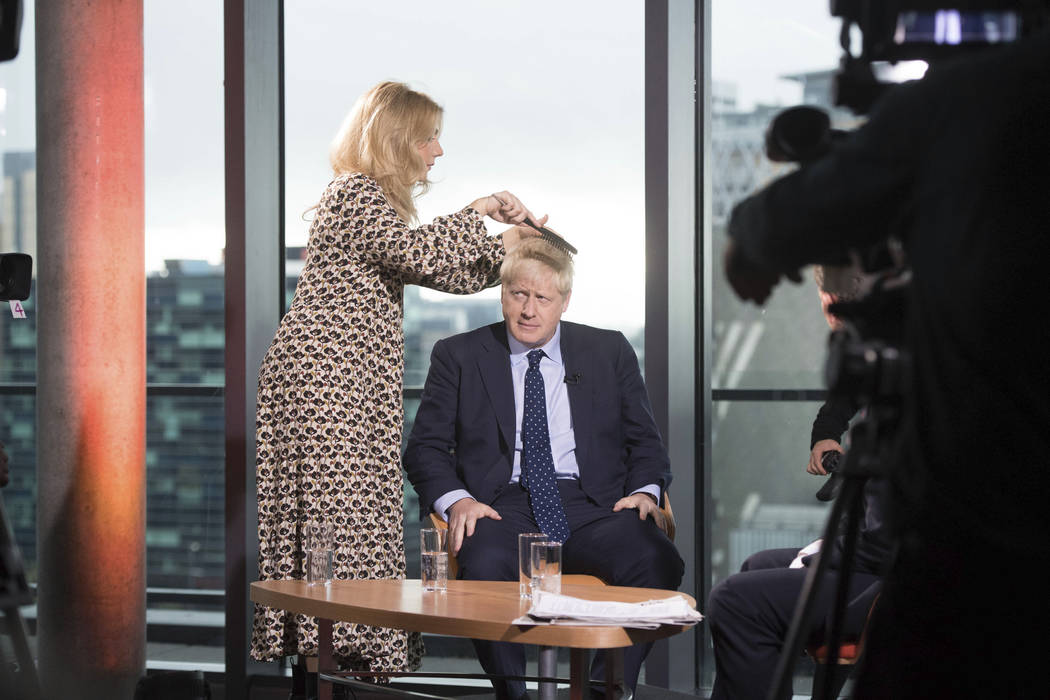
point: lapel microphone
(574, 379)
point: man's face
(532, 305)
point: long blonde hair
(380, 138)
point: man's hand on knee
(462, 516)
(646, 507)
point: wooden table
(475, 609)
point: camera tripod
(14, 592)
(863, 461)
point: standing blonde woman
(330, 387)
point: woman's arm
(454, 253)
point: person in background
(330, 412)
(750, 612)
(834, 284)
(955, 166)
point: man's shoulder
(482, 338)
(592, 335)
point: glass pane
(18, 199)
(766, 56)
(551, 111)
(544, 99)
(184, 464)
(184, 146)
(762, 496)
(758, 69)
(18, 335)
(765, 497)
(185, 235)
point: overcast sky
(542, 97)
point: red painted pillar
(91, 359)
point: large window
(766, 364)
(18, 336)
(185, 235)
(184, 284)
(544, 99)
(551, 111)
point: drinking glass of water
(546, 566)
(317, 543)
(433, 552)
(525, 541)
(318, 567)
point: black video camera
(929, 31)
(16, 276)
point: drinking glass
(525, 541)
(317, 545)
(546, 566)
(433, 552)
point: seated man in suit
(749, 613)
(588, 467)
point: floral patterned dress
(330, 408)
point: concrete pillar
(91, 359)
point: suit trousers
(750, 612)
(617, 547)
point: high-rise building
(18, 206)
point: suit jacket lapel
(579, 389)
(494, 364)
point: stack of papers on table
(555, 609)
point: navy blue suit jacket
(463, 436)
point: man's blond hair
(537, 250)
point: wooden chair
(453, 566)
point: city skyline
(777, 346)
(564, 133)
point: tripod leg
(27, 681)
(849, 497)
(7, 679)
(836, 674)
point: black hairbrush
(553, 238)
(547, 234)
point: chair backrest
(453, 566)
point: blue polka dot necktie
(537, 464)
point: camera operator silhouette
(957, 164)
